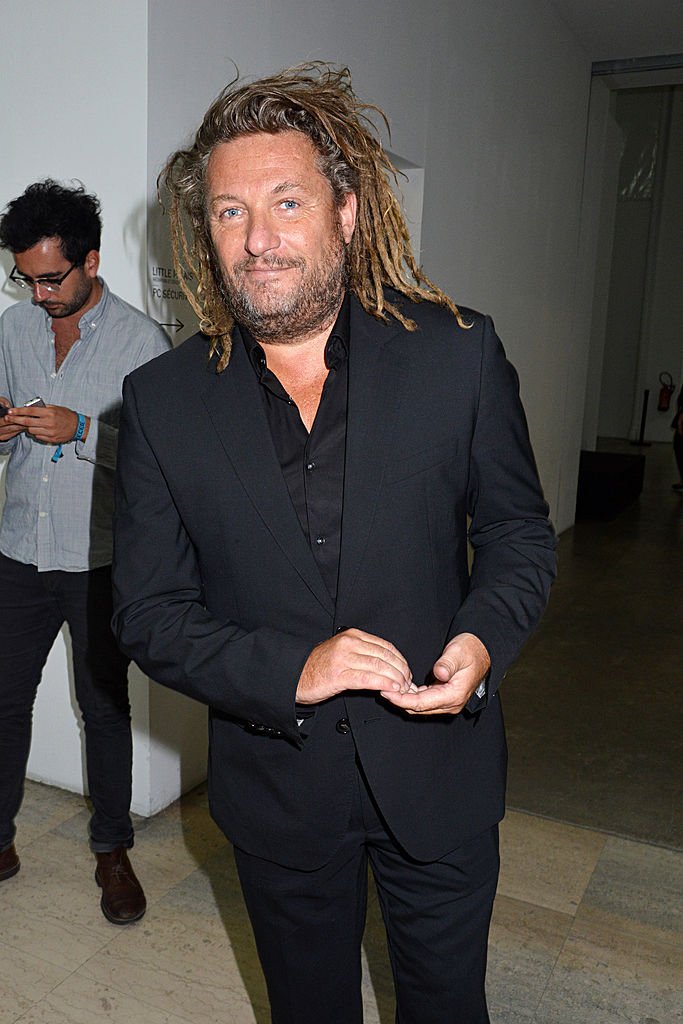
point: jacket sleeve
(512, 539)
(160, 618)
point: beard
(309, 306)
(59, 309)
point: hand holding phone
(11, 423)
(8, 430)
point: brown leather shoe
(123, 900)
(9, 863)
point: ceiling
(618, 29)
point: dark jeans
(33, 608)
(308, 926)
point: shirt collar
(92, 317)
(336, 349)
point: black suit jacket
(217, 593)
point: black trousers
(33, 608)
(308, 926)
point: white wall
(489, 98)
(75, 106)
(503, 201)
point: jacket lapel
(234, 404)
(378, 377)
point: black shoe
(123, 900)
(9, 863)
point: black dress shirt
(312, 463)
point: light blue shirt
(57, 515)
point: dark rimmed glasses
(50, 284)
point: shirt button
(310, 466)
(343, 726)
(42, 514)
(320, 540)
(53, 375)
(45, 479)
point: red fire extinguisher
(666, 391)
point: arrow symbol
(176, 326)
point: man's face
(279, 239)
(46, 260)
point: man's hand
(7, 429)
(353, 660)
(458, 672)
(51, 424)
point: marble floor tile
(177, 964)
(24, 980)
(80, 1001)
(51, 908)
(525, 943)
(43, 809)
(586, 930)
(640, 884)
(614, 971)
(545, 862)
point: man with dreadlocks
(306, 466)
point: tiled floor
(594, 707)
(588, 928)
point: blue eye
(290, 204)
(230, 213)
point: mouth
(266, 274)
(268, 266)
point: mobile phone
(3, 410)
(34, 401)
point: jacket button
(343, 726)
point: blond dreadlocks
(316, 99)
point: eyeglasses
(50, 284)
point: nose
(262, 235)
(40, 292)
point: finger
(366, 644)
(444, 669)
(429, 700)
(371, 672)
(388, 656)
(21, 418)
(379, 641)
